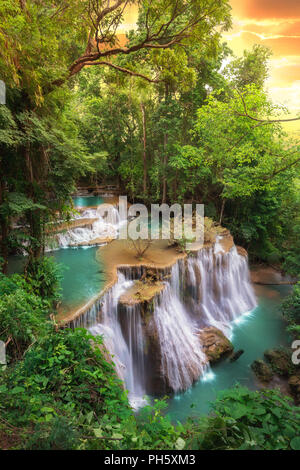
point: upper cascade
(98, 225)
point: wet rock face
(262, 371)
(155, 383)
(241, 251)
(215, 344)
(142, 292)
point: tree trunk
(222, 211)
(34, 216)
(165, 160)
(144, 148)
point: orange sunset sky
(276, 24)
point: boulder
(280, 361)
(236, 355)
(262, 371)
(215, 344)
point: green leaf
(98, 432)
(16, 390)
(295, 443)
(89, 417)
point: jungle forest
(115, 344)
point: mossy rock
(280, 361)
(215, 344)
(262, 371)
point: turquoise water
(83, 274)
(85, 201)
(262, 329)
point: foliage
(23, 315)
(291, 310)
(166, 121)
(251, 68)
(65, 375)
(265, 420)
(45, 276)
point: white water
(106, 226)
(220, 287)
(183, 361)
(211, 288)
(127, 350)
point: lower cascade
(182, 359)
(158, 349)
(125, 347)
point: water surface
(83, 275)
(86, 201)
(264, 328)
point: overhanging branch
(124, 70)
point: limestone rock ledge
(141, 292)
(215, 344)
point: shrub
(263, 420)
(291, 310)
(22, 315)
(45, 276)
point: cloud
(262, 9)
(286, 75)
(281, 45)
(287, 96)
(275, 24)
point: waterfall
(161, 349)
(106, 225)
(210, 289)
(123, 337)
(89, 317)
(220, 287)
(183, 361)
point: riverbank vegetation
(167, 114)
(60, 391)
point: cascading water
(183, 361)
(106, 225)
(126, 345)
(209, 288)
(219, 287)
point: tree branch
(266, 121)
(159, 39)
(127, 71)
